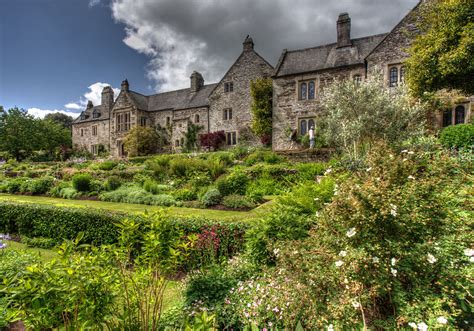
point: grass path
(136, 208)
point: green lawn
(136, 208)
(44, 254)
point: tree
(18, 132)
(60, 118)
(212, 140)
(53, 136)
(191, 137)
(261, 91)
(356, 115)
(442, 55)
(142, 141)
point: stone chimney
(248, 44)
(89, 104)
(107, 99)
(124, 86)
(344, 30)
(197, 81)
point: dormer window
(83, 116)
(95, 114)
(229, 87)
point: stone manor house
(298, 78)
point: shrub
(185, 194)
(212, 140)
(458, 136)
(40, 242)
(41, 185)
(309, 171)
(238, 202)
(263, 156)
(68, 193)
(112, 183)
(82, 182)
(165, 200)
(186, 167)
(211, 198)
(262, 186)
(14, 185)
(154, 187)
(234, 183)
(107, 165)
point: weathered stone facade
(201, 105)
(298, 80)
(230, 101)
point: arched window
(447, 118)
(311, 124)
(303, 91)
(393, 76)
(311, 90)
(459, 114)
(303, 127)
(402, 74)
(196, 118)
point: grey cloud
(206, 35)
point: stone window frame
(231, 138)
(196, 118)
(168, 120)
(450, 116)
(95, 149)
(306, 83)
(307, 121)
(227, 114)
(143, 121)
(176, 143)
(96, 113)
(123, 121)
(357, 78)
(82, 132)
(229, 87)
(396, 74)
(94, 130)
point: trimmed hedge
(216, 238)
(458, 136)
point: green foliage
(106, 165)
(458, 136)
(112, 183)
(142, 141)
(234, 183)
(191, 137)
(135, 194)
(261, 92)
(212, 197)
(235, 201)
(263, 156)
(356, 115)
(154, 188)
(185, 194)
(68, 193)
(310, 171)
(60, 118)
(183, 167)
(39, 242)
(82, 182)
(441, 55)
(40, 185)
(261, 186)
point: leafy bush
(68, 193)
(309, 171)
(262, 186)
(263, 156)
(211, 198)
(82, 182)
(187, 167)
(458, 136)
(185, 194)
(106, 165)
(234, 183)
(39, 242)
(238, 202)
(165, 200)
(212, 140)
(14, 185)
(154, 188)
(112, 183)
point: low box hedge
(224, 238)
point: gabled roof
(326, 56)
(89, 118)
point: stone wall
(288, 109)
(248, 67)
(123, 104)
(87, 139)
(181, 118)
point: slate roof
(173, 100)
(326, 56)
(90, 118)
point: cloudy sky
(57, 54)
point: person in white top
(311, 137)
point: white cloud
(94, 94)
(73, 105)
(93, 3)
(180, 36)
(41, 113)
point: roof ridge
(335, 43)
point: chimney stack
(197, 81)
(344, 30)
(248, 44)
(89, 104)
(124, 86)
(107, 99)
